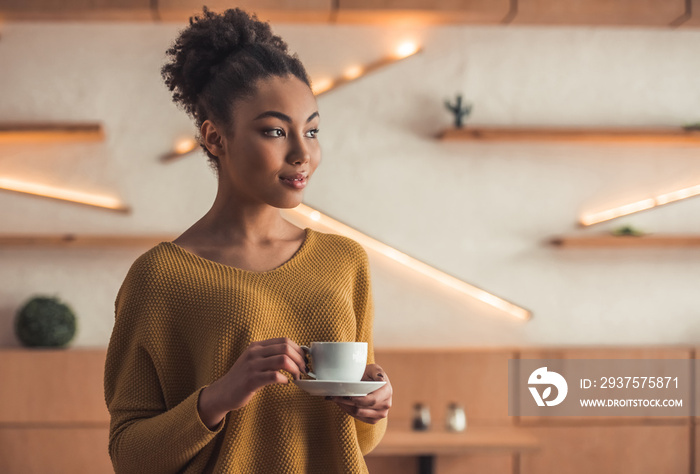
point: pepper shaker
(456, 418)
(421, 417)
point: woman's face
(272, 151)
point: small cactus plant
(45, 322)
(459, 111)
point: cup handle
(307, 353)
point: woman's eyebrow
(281, 116)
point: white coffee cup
(341, 361)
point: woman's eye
(312, 133)
(274, 132)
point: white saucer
(336, 388)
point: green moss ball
(45, 322)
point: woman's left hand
(372, 407)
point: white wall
(479, 212)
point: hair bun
(233, 30)
(207, 42)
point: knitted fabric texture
(181, 323)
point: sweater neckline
(296, 256)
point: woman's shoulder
(339, 246)
(157, 260)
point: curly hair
(218, 59)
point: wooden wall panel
(473, 464)
(438, 377)
(549, 12)
(52, 386)
(696, 446)
(36, 10)
(599, 12)
(694, 21)
(422, 11)
(610, 450)
(696, 382)
(391, 464)
(54, 451)
(62, 390)
(268, 10)
(477, 463)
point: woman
(208, 327)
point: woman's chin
(288, 203)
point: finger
(282, 348)
(273, 341)
(379, 397)
(297, 355)
(375, 372)
(365, 415)
(277, 362)
(354, 401)
(374, 403)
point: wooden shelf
(50, 132)
(82, 241)
(600, 241)
(633, 136)
(477, 439)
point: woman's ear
(213, 140)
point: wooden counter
(478, 439)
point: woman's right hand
(259, 365)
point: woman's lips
(294, 182)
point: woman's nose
(299, 154)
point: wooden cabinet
(655, 13)
(600, 12)
(113, 10)
(694, 20)
(268, 10)
(54, 449)
(438, 377)
(476, 379)
(423, 11)
(53, 417)
(569, 445)
(696, 445)
(163, 10)
(639, 449)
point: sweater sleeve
(368, 435)
(145, 435)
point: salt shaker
(421, 417)
(456, 419)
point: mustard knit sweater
(182, 321)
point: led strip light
(643, 205)
(309, 214)
(62, 194)
(352, 73)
